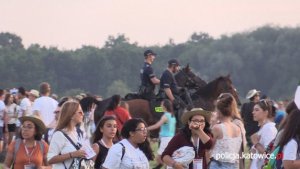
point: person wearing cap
(195, 136)
(168, 86)
(148, 78)
(33, 94)
(251, 126)
(30, 149)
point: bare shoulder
(216, 130)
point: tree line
(266, 58)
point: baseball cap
(149, 52)
(173, 62)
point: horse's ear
(187, 67)
(228, 76)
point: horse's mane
(210, 88)
(101, 108)
(87, 102)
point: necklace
(27, 151)
(102, 141)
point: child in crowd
(104, 135)
(167, 124)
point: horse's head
(186, 78)
(224, 85)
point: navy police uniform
(147, 88)
(167, 80)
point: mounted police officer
(168, 86)
(148, 78)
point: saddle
(154, 103)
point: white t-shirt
(45, 106)
(60, 144)
(12, 113)
(26, 106)
(133, 157)
(267, 133)
(2, 110)
(19, 112)
(290, 151)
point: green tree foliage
(266, 58)
(117, 87)
(8, 40)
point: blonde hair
(68, 109)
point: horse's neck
(208, 91)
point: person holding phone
(195, 135)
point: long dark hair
(98, 134)
(188, 133)
(168, 105)
(291, 129)
(289, 108)
(6, 99)
(130, 126)
(115, 100)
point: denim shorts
(223, 165)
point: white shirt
(12, 113)
(60, 144)
(45, 106)
(26, 106)
(2, 110)
(133, 157)
(290, 151)
(19, 112)
(267, 133)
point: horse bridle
(189, 79)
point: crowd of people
(39, 131)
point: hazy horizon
(70, 24)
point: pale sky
(69, 24)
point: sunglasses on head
(265, 102)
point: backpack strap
(46, 135)
(41, 147)
(123, 151)
(16, 149)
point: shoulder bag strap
(123, 151)
(70, 140)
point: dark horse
(203, 96)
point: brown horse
(206, 96)
(202, 97)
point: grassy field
(154, 146)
